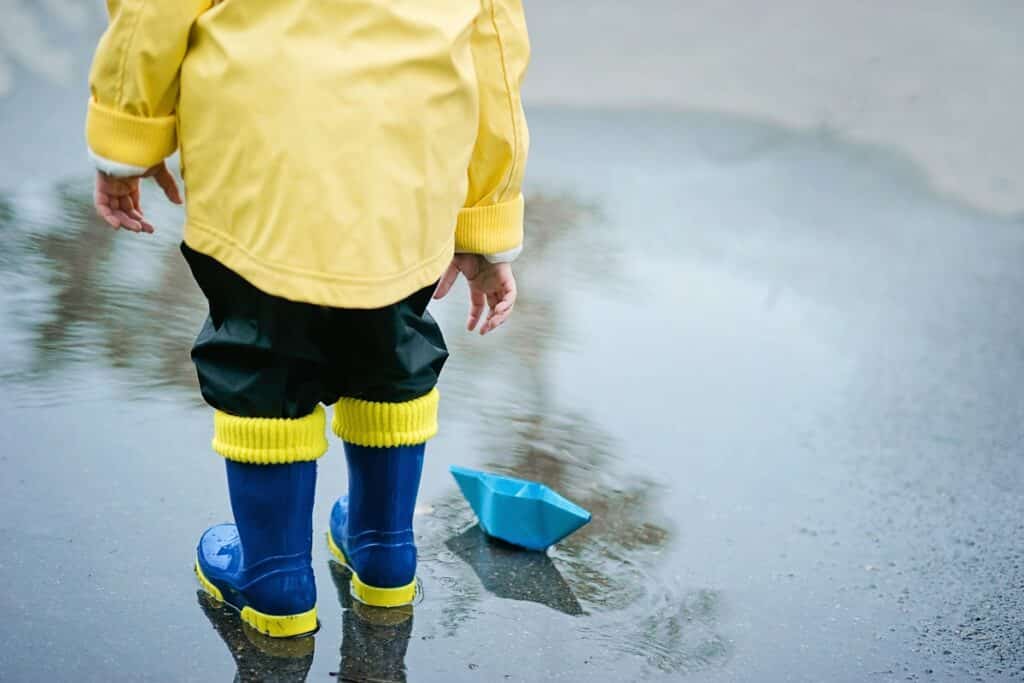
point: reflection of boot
(261, 564)
(258, 658)
(371, 528)
(374, 640)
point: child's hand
(492, 283)
(117, 199)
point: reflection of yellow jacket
(333, 152)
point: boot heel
(383, 597)
(372, 595)
(273, 625)
(282, 626)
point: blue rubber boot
(371, 527)
(261, 565)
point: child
(343, 160)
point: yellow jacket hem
(127, 139)
(490, 229)
(319, 288)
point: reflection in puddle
(374, 640)
(82, 295)
(258, 658)
(88, 295)
(511, 574)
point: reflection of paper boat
(509, 573)
(524, 513)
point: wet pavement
(780, 368)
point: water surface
(781, 370)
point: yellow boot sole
(371, 595)
(275, 626)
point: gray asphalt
(780, 363)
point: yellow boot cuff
(270, 441)
(386, 425)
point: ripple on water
(608, 577)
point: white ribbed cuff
(505, 256)
(115, 168)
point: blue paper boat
(521, 512)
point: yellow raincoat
(335, 152)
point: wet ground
(781, 369)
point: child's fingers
(137, 213)
(128, 222)
(147, 227)
(167, 183)
(130, 205)
(107, 215)
(493, 323)
(122, 210)
(498, 308)
(476, 308)
(101, 202)
(115, 202)
(497, 317)
(447, 280)
(501, 310)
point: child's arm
(130, 125)
(491, 224)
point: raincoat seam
(124, 56)
(318, 275)
(511, 104)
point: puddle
(778, 425)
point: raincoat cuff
(127, 139)
(491, 229)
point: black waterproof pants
(263, 356)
